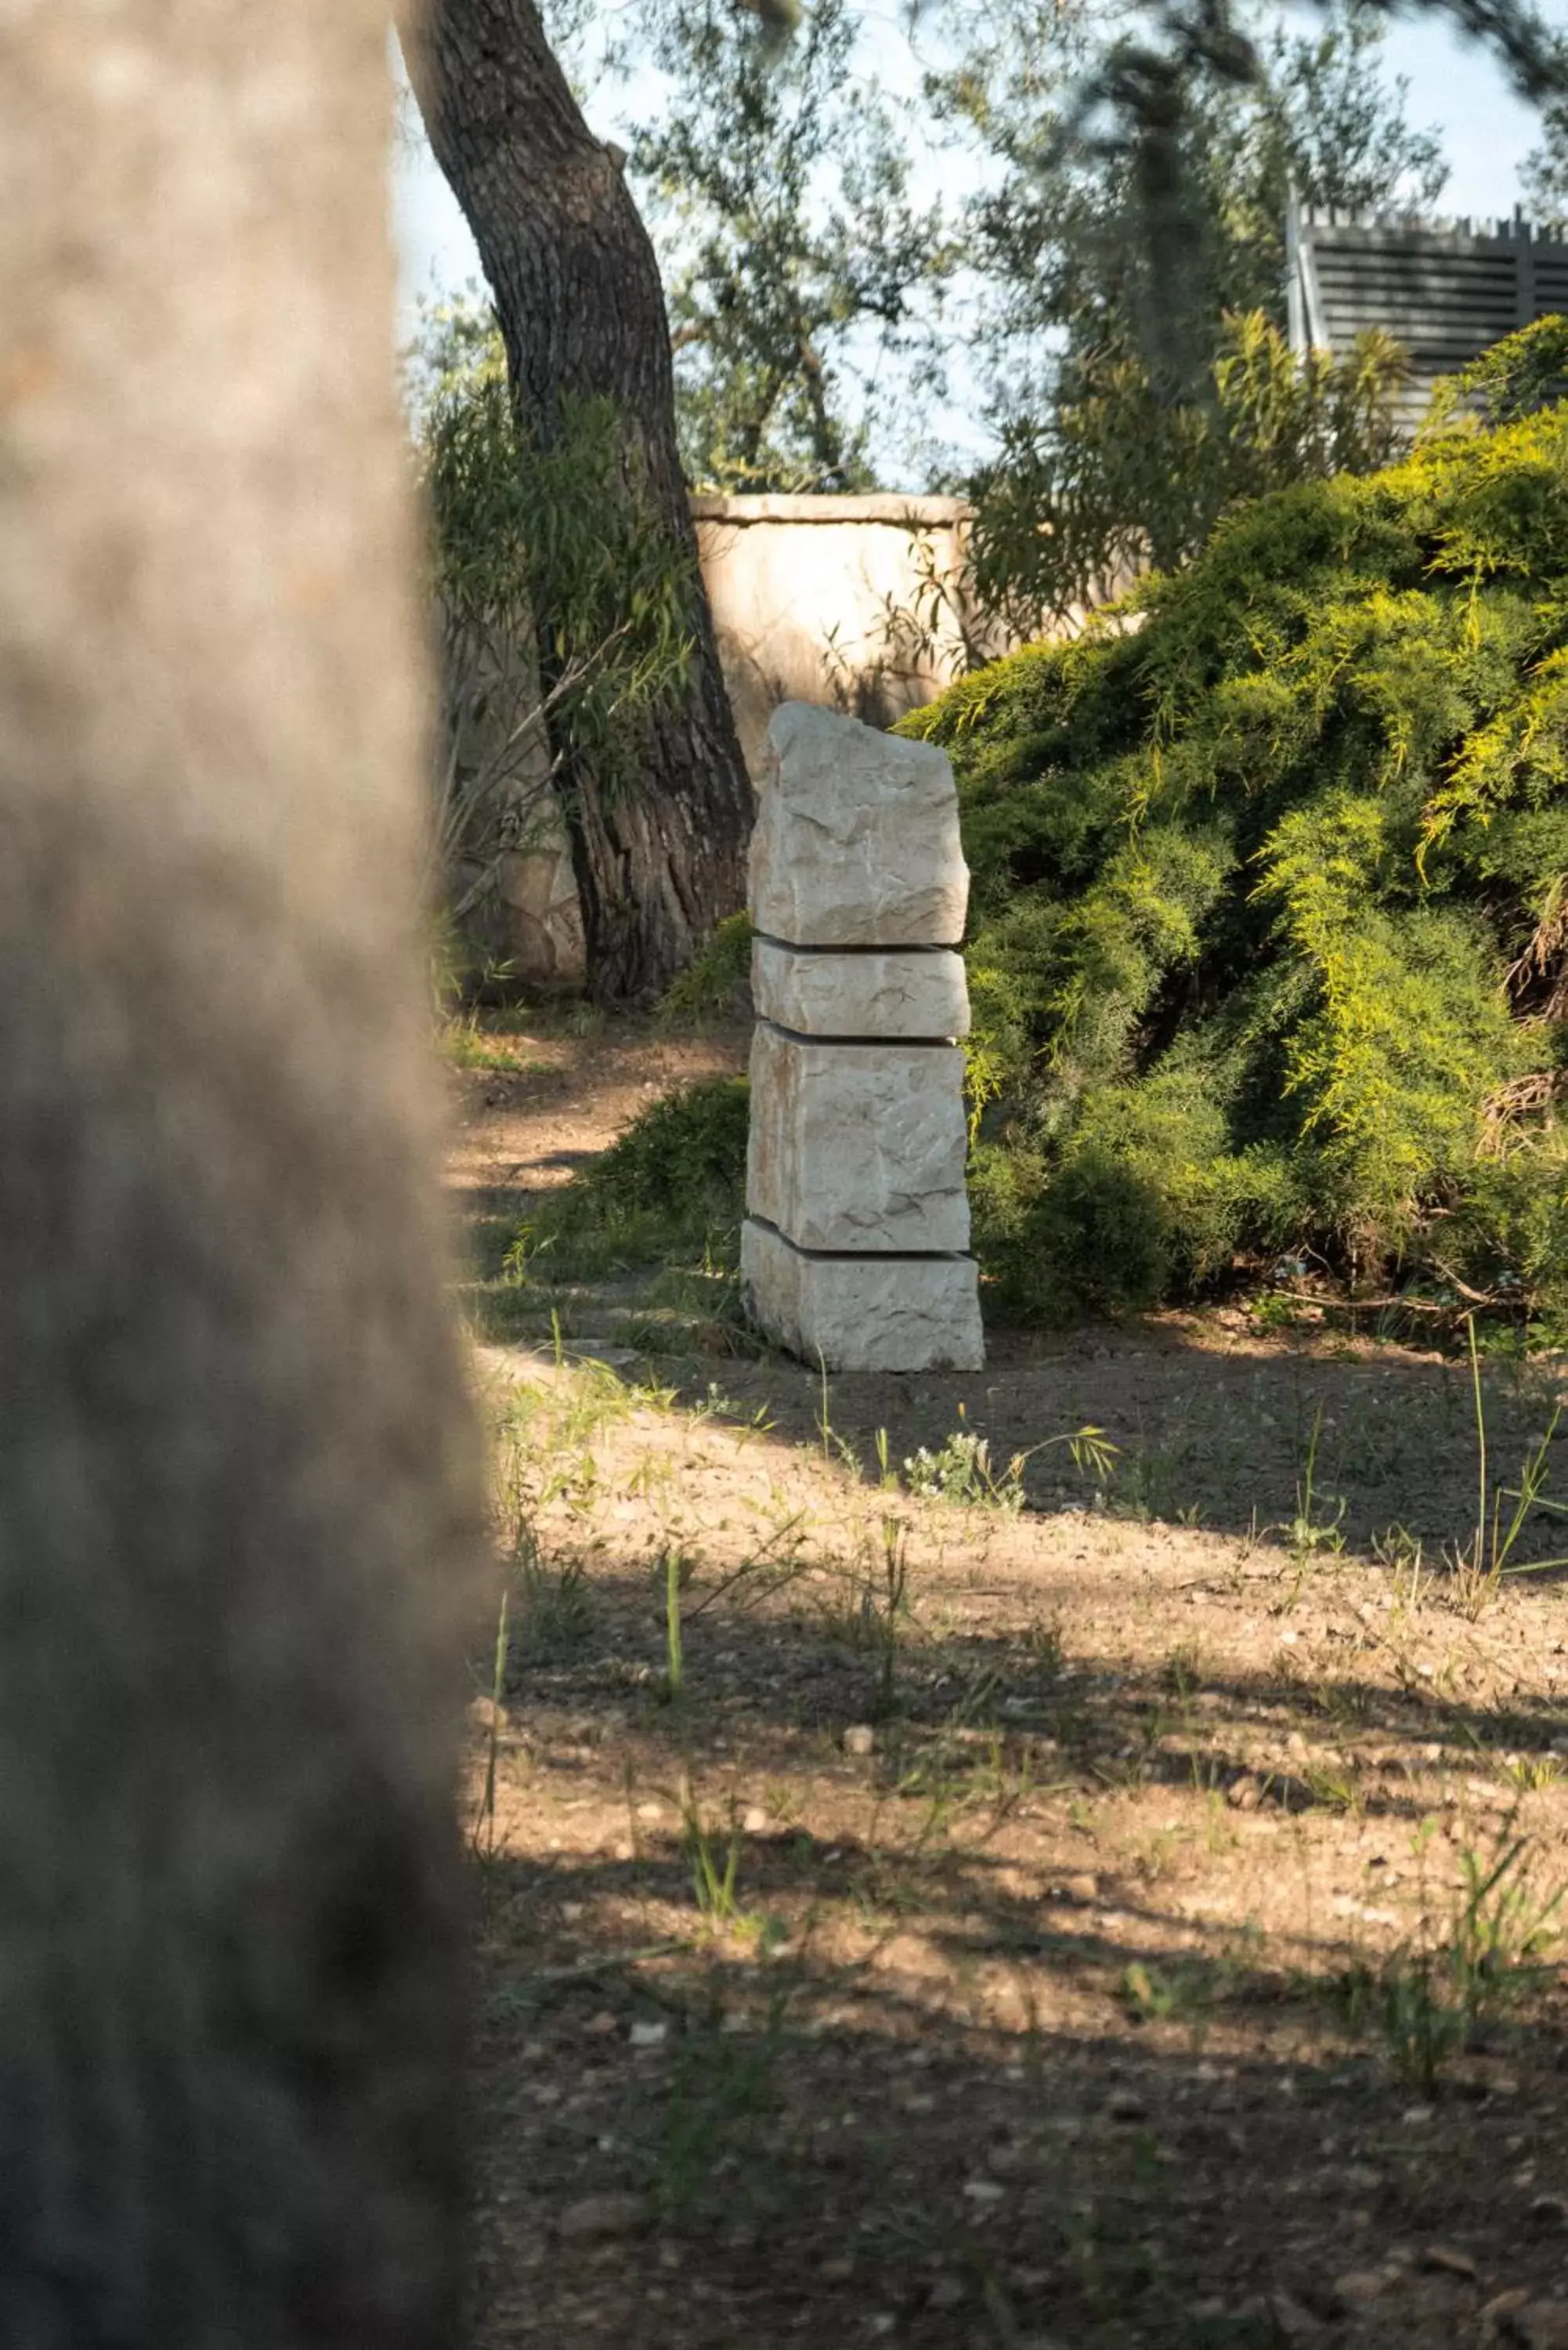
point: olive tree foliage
(1114, 480)
(1135, 158)
(1116, 284)
(1131, 344)
(515, 531)
(1544, 179)
(803, 284)
(1145, 92)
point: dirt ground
(1118, 1908)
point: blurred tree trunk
(576, 289)
(241, 1510)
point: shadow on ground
(953, 2058)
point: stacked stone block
(855, 1248)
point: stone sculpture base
(863, 1313)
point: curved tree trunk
(582, 313)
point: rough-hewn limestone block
(856, 841)
(858, 1146)
(865, 1313)
(899, 992)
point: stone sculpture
(855, 1248)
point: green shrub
(674, 1183)
(1270, 921)
(716, 984)
(1522, 373)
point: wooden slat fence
(1444, 293)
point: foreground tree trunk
(582, 313)
(238, 1495)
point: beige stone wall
(851, 603)
(848, 603)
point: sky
(1487, 130)
(1454, 86)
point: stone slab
(862, 1314)
(857, 840)
(858, 1146)
(896, 992)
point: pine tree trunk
(582, 313)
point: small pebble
(1075, 1888)
(1293, 2320)
(1445, 2259)
(597, 2218)
(1359, 2286)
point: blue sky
(1487, 131)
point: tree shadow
(998, 1703)
(898, 2084)
(713, 2147)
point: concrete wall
(851, 603)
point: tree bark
(241, 1516)
(582, 313)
